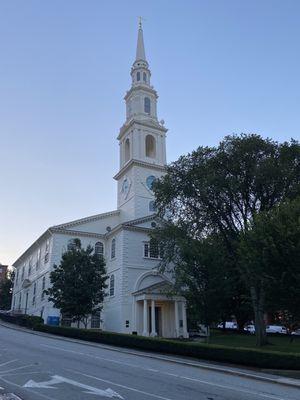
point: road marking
(16, 369)
(29, 390)
(7, 362)
(55, 379)
(167, 373)
(102, 358)
(230, 387)
(122, 386)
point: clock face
(125, 187)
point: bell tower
(142, 142)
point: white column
(145, 326)
(134, 307)
(176, 319)
(185, 332)
(153, 327)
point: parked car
(250, 328)
(276, 329)
(228, 325)
(296, 332)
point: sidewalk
(278, 377)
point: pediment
(164, 287)
(98, 224)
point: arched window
(149, 181)
(112, 285)
(113, 248)
(144, 77)
(127, 150)
(138, 76)
(150, 146)
(147, 104)
(99, 249)
(152, 206)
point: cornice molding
(140, 124)
(139, 163)
(35, 244)
(77, 233)
(86, 219)
(135, 88)
(140, 220)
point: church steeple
(140, 72)
(142, 140)
(140, 48)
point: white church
(138, 299)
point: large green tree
(205, 274)
(78, 283)
(269, 258)
(219, 190)
(6, 287)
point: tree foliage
(6, 288)
(220, 190)
(269, 255)
(78, 283)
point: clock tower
(142, 142)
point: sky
(219, 66)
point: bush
(29, 321)
(242, 356)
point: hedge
(241, 356)
(29, 321)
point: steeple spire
(140, 48)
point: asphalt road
(37, 367)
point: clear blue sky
(219, 67)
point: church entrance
(158, 320)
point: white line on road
(234, 388)
(8, 362)
(121, 386)
(29, 390)
(228, 387)
(16, 369)
(101, 358)
(191, 379)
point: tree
(203, 272)
(269, 257)
(78, 283)
(6, 287)
(219, 190)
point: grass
(276, 343)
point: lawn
(277, 343)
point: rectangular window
(38, 259)
(34, 294)
(47, 251)
(151, 249)
(146, 250)
(95, 322)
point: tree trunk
(241, 321)
(257, 297)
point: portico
(156, 313)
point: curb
(281, 380)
